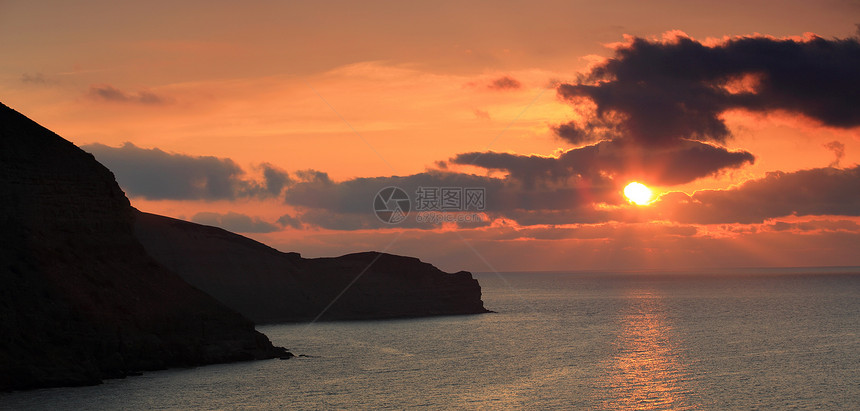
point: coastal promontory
(80, 298)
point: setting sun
(637, 193)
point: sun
(637, 193)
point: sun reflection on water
(645, 372)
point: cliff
(268, 286)
(80, 299)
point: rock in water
(80, 299)
(269, 286)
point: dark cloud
(357, 195)
(348, 205)
(287, 220)
(235, 222)
(110, 93)
(820, 191)
(275, 180)
(658, 93)
(816, 225)
(158, 175)
(577, 134)
(313, 177)
(838, 150)
(504, 83)
(677, 164)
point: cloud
(275, 180)
(504, 83)
(357, 195)
(815, 225)
(587, 133)
(838, 150)
(349, 205)
(311, 176)
(287, 220)
(109, 93)
(661, 92)
(235, 222)
(157, 175)
(481, 114)
(35, 78)
(819, 191)
(614, 160)
(330, 220)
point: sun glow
(637, 193)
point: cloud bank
(158, 175)
(819, 191)
(347, 205)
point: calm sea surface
(736, 339)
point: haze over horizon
(282, 122)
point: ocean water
(767, 339)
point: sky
(511, 128)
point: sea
(722, 339)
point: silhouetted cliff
(80, 300)
(267, 285)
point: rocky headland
(269, 286)
(80, 298)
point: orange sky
(381, 89)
